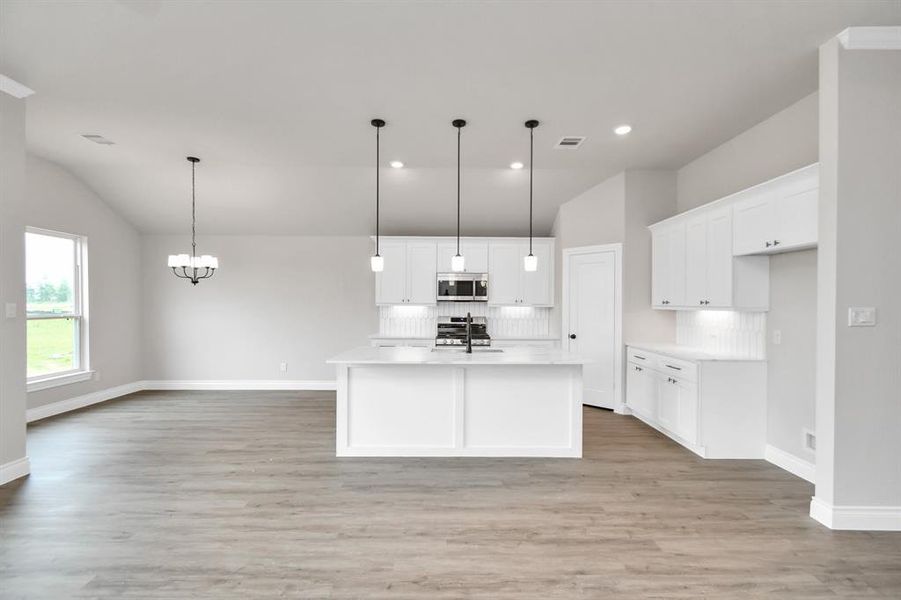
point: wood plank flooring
(239, 495)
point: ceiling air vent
(97, 139)
(570, 142)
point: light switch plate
(11, 310)
(861, 316)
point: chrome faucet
(468, 333)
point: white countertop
(687, 352)
(368, 355)
(524, 338)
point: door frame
(617, 249)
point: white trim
(617, 249)
(242, 384)
(53, 381)
(14, 469)
(871, 38)
(14, 88)
(791, 463)
(55, 408)
(856, 518)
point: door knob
(572, 336)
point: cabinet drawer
(642, 357)
(677, 369)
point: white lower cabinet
(715, 408)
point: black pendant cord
(193, 218)
(378, 131)
(531, 160)
(459, 130)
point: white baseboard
(14, 469)
(242, 384)
(55, 408)
(856, 518)
(791, 463)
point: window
(55, 305)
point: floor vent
(570, 142)
(97, 139)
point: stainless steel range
(452, 331)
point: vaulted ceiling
(276, 98)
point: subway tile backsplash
(723, 332)
(503, 321)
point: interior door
(421, 272)
(591, 322)
(504, 273)
(391, 284)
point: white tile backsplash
(723, 332)
(503, 321)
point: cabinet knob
(768, 244)
(572, 336)
(775, 242)
(701, 302)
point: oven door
(455, 289)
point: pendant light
(457, 262)
(530, 262)
(377, 262)
(192, 265)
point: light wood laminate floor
(239, 495)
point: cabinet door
(668, 267)
(446, 251)
(391, 284)
(537, 286)
(719, 259)
(796, 220)
(753, 223)
(504, 273)
(641, 392)
(696, 262)
(687, 427)
(475, 253)
(667, 402)
(421, 273)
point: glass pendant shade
(530, 262)
(377, 263)
(458, 264)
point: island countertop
(368, 355)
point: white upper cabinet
(708, 260)
(409, 274)
(779, 215)
(668, 274)
(475, 255)
(508, 282)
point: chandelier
(190, 266)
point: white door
(391, 284)
(504, 273)
(421, 273)
(719, 259)
(537, 286)
(591, 322)
(696, 262)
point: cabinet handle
(676, 368)
(768, 244)
(775, 242)
(706, 302)
(639, 357)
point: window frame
(79, 314)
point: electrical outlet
(283, 367)
(861, 316)
(777, 336)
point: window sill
(57, 380)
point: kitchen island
(434, 402)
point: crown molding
(871, 38)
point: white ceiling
(276, 98)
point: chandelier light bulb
(458, 264)
(530, 263)
(377, 263)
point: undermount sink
(474, 350)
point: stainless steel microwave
(462, 287)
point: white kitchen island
(405, 401)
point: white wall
(58, 200)
(859, 368)
(299, 300)
(784, 142)
(12, 287)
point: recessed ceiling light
(516, 165)
(396, 164)
(622, 129)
